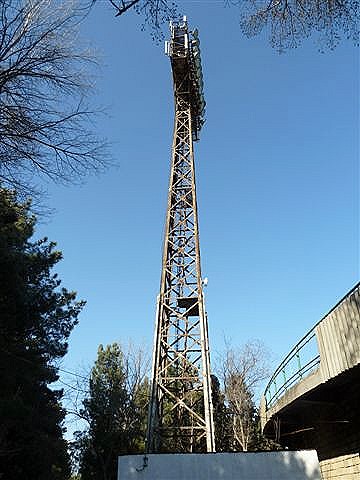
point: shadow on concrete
(284, 465)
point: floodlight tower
(180, 412)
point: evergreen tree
(223, 430)
(36, 319)
(116, 413)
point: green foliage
(221, 417)
(116, 412)
(184, 385)
(36, 319)
(260, 443)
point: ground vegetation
(116, 404)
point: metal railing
(302, 360)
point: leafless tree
(290, 21)
(45, 122)
(242, 371)
(154, 12)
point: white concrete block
(285, 465)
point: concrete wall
(345, 467)
(301, 465)
(338, 337)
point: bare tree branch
(242, 370)
(291, 21)
(45, 123)
(155, 13)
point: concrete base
(286, 465)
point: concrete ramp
(286, 465)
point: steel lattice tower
(180, 412)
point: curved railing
(303, 359)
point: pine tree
(223, 430)
(36, 319)
(116, 413)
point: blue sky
(277, 174)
